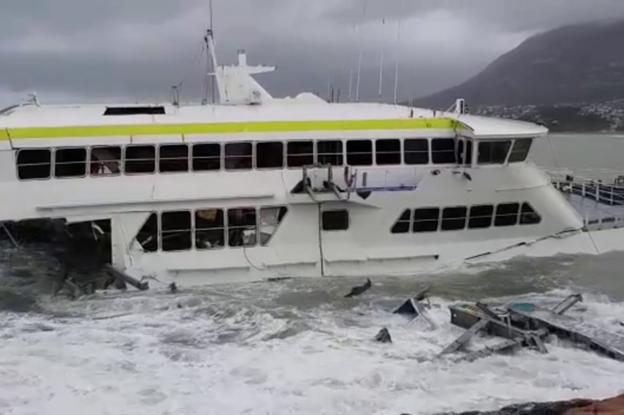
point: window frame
(492, 143)
(443, 219)
(159, 158)
(513, 147)
(434, 152)
(492, 216)
(398, 153)
(335, 211)
(287, 154)
(496, 225)
(227, 222)
(341, 154)
(403, 221)
(371, 154)
(283, 164)
(438, 219)
(406, 152)
(223, 228)
(161, 232)
(86, 162)
(120, 161)
(221, 156)
(140, 160)
(50, 163)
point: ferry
(254, 187)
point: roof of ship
(302, 114)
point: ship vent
(134, 110)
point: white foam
(216, 355)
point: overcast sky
(131, 50)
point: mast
(211, 66)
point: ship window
(242, 227)
(528, 215)
(34, 164)
(493, 152)
(206, 157)
(70, 162)
(507, 214)
(270, 219)
(148, 234)
(134, 110)
(173, 158)
(520, 150)
(209, 229)
(238, 156)
(388, 152)
(416, 151)
(105, 161)
(480, 216)
(140, 159)
(443, 150)
(300, 153)
(175, 231)
(403, 224)
(360, 152)
(329, 152)
(460, 152)
(454, 218)
(336, 220)
(270, 155)
(426, 220)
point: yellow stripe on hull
(227, 128)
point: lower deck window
(507, 214)
(242, 227)
(270, 219)
(480, 216)
(34, 164)
(329, 152)
(209, 229)
(454, 218)
(140, 159)
(70, 162)
(403, 224)
(148, 234)
(105, 161)
(175, 231)
(336, 220)
(426, 220)
(528, 215)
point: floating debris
(360, 289)
(414, 308)
(383, 336)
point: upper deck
(312, 118)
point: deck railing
(609, 194)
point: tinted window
(140, 159)
(238, 156)
(454, 218)
(70, 162)
(242, 227)
(520, 150)
(426, 220)
(493, 152)
(403, 224)
(528, 215)
(175, 231)
(270, 219)
(443, 150)
(335, 220)
(206, 157)
(507, 214)
(209, 229)
(33, 164)
(105, 161)
(300, 153)
(416, 151)
(134, 110)
(148, 234)
(388, 152)
(174, 158)
(270, 155)
(329, 152)
(480, 216)
(360, 152)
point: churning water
(293, 346)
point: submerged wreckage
(518, 324)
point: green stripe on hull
(227, 128)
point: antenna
(211, 64)
(396, 63)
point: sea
(298, 346)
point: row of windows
(171, 158)
(210, 228)
(457, 217)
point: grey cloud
(134, 50)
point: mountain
(572, 64)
